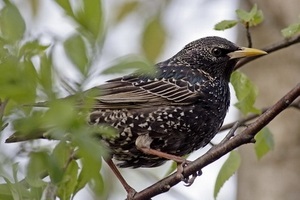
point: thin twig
(230, 134)
(71, 157)
(249, 38)
(243, 121)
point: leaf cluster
(27, 74)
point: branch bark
(243, 121)
(246, 136)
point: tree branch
(243, 121)
(274, 47)
(246, 136)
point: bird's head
(213, 55)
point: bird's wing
(137, 92)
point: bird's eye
(217, 51)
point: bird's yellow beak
(245, 52)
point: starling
(177, 110)
(172, 112)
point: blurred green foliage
(28, 75)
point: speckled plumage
(178, 110)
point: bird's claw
(180, 168)
(189, 181)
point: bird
(176, 110)
(172, 112)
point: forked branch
(246, 136)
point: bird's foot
(188, 180)
(181, 166)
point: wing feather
(142, 91)
(154, 94)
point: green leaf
(225, 24)
(28, 72)
(62, 152)
(36, 167)
(90, 173)
(89, 148)
(67, 187)
(125, 9)
(257, 19)
(97, 184)
(90, 151)
(153, 39)
(40, 163)
(19, 188)
(264, 142)
(229, 167)
(90, 17)
(4, 51)
(15, 169)
(18, 80)
(5, 192)
(65, 4)
(45, 75)
(12, 23)
(247, 16)
(291, 30)
(61, 115)
(13, 189)
(28, 127)
(83, 178)
(243, 15)
(55, 170)
(130, 64)
(246, 93)
(75, 49)
(32, 48)
(253, 18)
